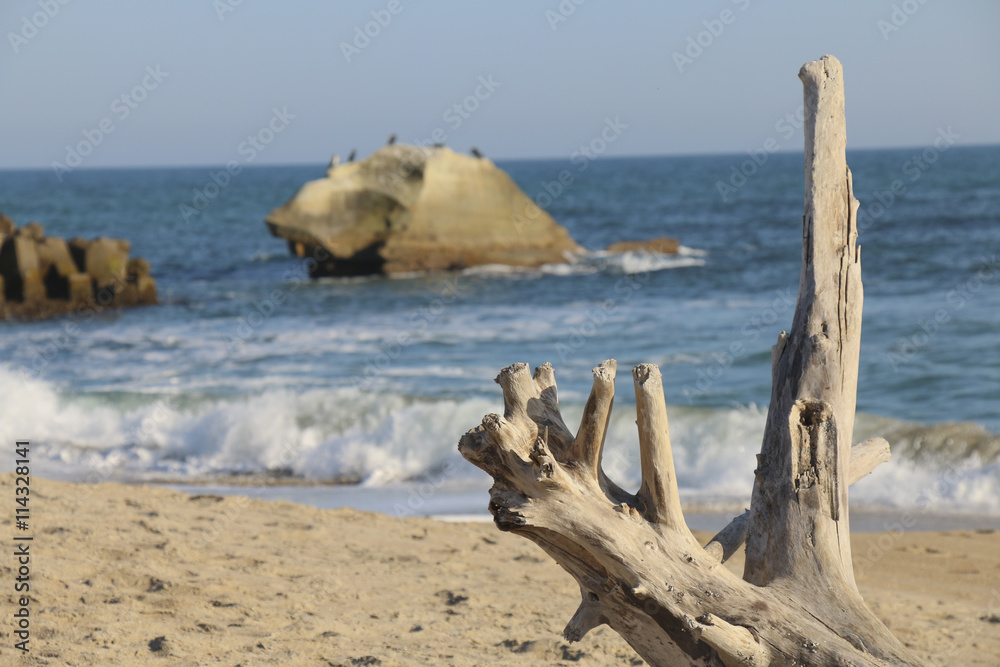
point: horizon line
(215, 165)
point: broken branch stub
(640, 570)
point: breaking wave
(346, 435)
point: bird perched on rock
(350, 158)
(475, 151)
(334, 161)
(391, 141)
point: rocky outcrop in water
(44, 276)
(406, 208)
(663, 246)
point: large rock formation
(406, 208)
(42, 276)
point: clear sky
(200, 76)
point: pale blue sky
(556, 87)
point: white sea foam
(691, 252)
(591, 262)
(379, 439)
(627, 263)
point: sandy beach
(141, 575)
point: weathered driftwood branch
(865, 457)
(640, 569)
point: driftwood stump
(640, 569)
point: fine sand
(130, 575)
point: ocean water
(248, 372)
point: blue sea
(356, 391)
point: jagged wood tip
(658, 498)
(588, 445)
